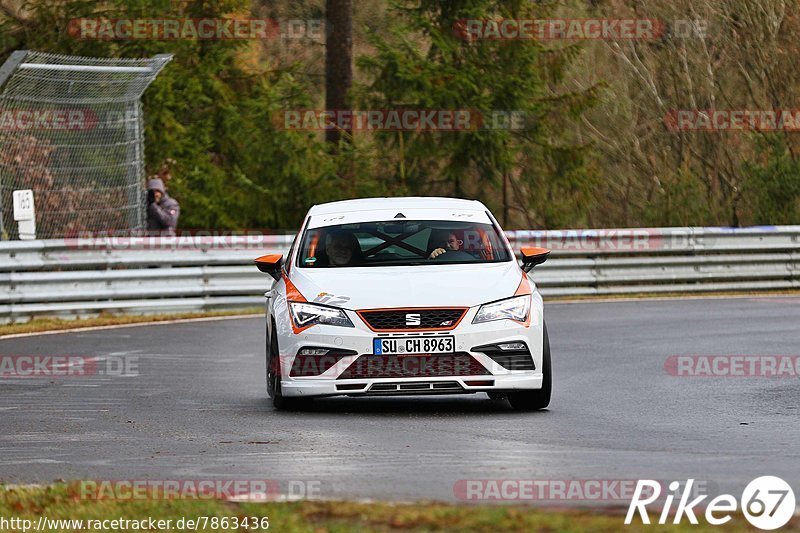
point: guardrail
(81, 277)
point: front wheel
(534, 400)
(279, 401)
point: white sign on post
(25, 214)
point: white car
(400, 296)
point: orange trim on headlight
(293, 295)
(523, 289)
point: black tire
(279, 401)
(535, 400)
(271, 362)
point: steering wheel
(454, 255)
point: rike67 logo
(767, 502)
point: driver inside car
(452, 244)
(342, 249)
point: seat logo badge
(413, 319)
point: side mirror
(532, 257)
(271, 264)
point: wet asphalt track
(197, 409)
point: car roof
(396, 204)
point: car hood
(408, 286)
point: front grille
(508, 359)
(414, 366)
(445, 318)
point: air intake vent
(311, 361)
(414, 366)
(517, 359)
(416, 387)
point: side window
(288, 262)
(311, 249)
(297, 239)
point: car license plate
(413, 345)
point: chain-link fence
(71, 130)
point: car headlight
(516, 308)
(305, 314)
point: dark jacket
(162, 218)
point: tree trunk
(338, 61)
(505, 199)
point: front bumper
(359, 339)
(308, 387)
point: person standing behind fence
(162, 210)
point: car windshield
(401, 242)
